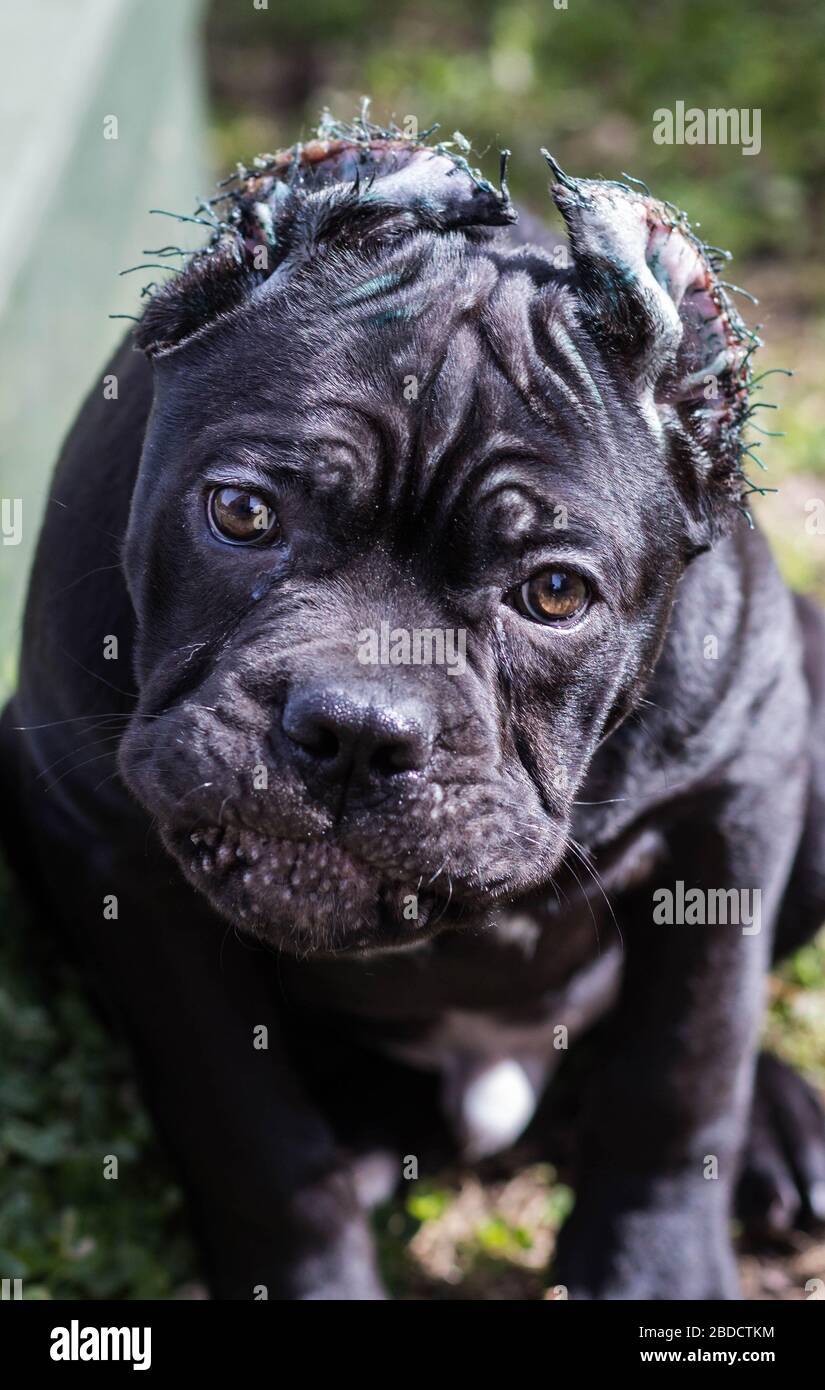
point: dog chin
(306, 896)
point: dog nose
(339, 735)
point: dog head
(412, 509)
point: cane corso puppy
(406, 694)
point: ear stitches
(651, 293)
(351, 184)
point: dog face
(403, 549)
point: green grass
(67, 1100)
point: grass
(67, 1100)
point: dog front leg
(273, 1200)
(666, 1115)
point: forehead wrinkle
(449, 416)
(457, 286)
(490, 460)
(485, 411)
(504, 467)
(388, 432)
(594, 520)
(508, 323)
(446, 421)
(338, 461)
(439, 350)
(557, 340)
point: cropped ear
(352, 185)
(651, 295)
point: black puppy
(385, 713)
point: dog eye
(554, 596)
(241, 517)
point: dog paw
(782, 1177)
(651, 1238)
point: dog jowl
(424, 532)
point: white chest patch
(494, 1070)
(495, 1107)
(492, 1075)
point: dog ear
(352, 185)
(651, 296)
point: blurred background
(194, 87)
